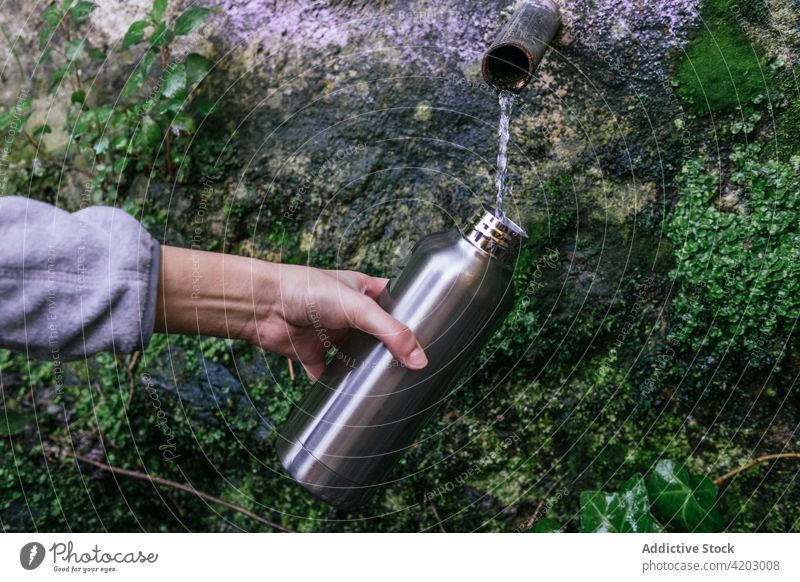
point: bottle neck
(499, 237)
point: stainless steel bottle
(343, 439)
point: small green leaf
(119, 142)
(161, 35)
(45, 54)
(80, 127)
(82, 10)
(150, 132)
(44, 35)
(682, 500)
(173, 83)
(51, 15)
(190, 21)
(78, 97)
(41, 130)
(135, 34)
(171, 107)
(159, 8)
(546, 525)
(74, 49)
(120, 164)
(102, 114)
(625, 511)
(197, 67)
(97, 54)
(147, 62)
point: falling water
(500, 178)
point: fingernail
(417, 359)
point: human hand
(291, 310)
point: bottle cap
(499, 236)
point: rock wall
(362, 125)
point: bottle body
(343, 439)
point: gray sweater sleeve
(72, 285)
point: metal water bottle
(343, 439)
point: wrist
(212, 294)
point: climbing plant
(737, 250)
(147, 124)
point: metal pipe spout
(512, 58)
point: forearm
(292, 310)
(211, 294)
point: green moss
(721, 71)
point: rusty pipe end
(519, 47)
(508, 66)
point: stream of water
(501, 177)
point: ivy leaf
(190, 21)
(74, 49)
(135, 34)
(82, 10)
(173, 83)
(546, 525)
(197, 67)
(683, 500)
(159, 8)
(626, 511)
